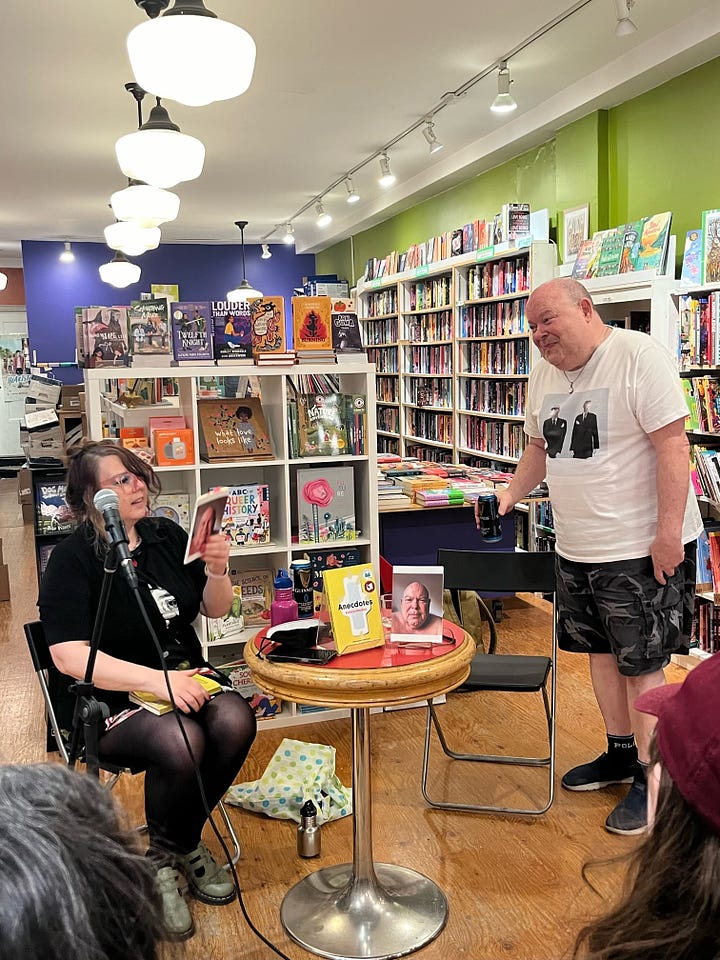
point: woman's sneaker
(177, 919)
(208, 882)
(599, 773)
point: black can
(490, 523)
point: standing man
(626, 521)
(554, 431)
(584, 440)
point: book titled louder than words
(353, 602)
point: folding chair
(501, 572)
(44, 669)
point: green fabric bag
(297, 772)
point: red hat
(688, 736)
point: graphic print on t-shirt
(575, 426)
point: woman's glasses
(124, 481)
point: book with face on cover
(207, 519)
(232, 332)
(417, 605)
(353, 602)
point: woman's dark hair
(671, 905)
(243, 412)
(83, 460)
(72, 884)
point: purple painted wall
(202, 271)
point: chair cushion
(515, 673)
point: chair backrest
(498, 571)
(37, 645)
(43, 664)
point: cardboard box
(44, 389)
(28, 512)
(24, 485)
(173, 448)
(45, 436)
(166, 423)
(70, 397)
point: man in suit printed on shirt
(584, 441)
(554, 430)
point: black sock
(622, 750)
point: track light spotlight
(387, 178)
(289, 237)
(503, 102)
(266, 254)
(624, 26)
(323, 219)
(67, 256)
(352, 196)
(431, 137)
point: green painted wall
(656, 152)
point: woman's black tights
(220, 735)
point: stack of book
(263, 359)
(439, 497)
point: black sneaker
(630, 815)
(599, 773)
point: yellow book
(353, 601)
(159, 706)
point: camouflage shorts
(620, 608)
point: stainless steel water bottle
(308, 832)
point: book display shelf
(453, 354)
(279, 471)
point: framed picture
(576, 229)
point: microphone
(107, 503)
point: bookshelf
(451, 388)
(279, 472)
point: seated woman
(71, 880)
(671, 910)
(220, 729)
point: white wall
(13, 322)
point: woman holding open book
(220, 729)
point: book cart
(279, 471)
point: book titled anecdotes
(246, 520)
(232, 331)
(207, 519)
(353, 602)
(417, 605)
(191, 330)
(326, 505)
(232, 429)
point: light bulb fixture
(119, 272)
(266, 252)
(431, 137)
(67, 256)
(158, 153)
(624, 26)
(244, 290)
(323, 219)
(387, 178)
(352, 196)
(145, 205)
(3, 280)
(190, 55)
(503, 102)
(127, 236)
(289, 237)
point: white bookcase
(280, 472)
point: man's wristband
(216, 576)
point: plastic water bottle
(308, 832)
(284, 606)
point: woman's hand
(189, 695)
(216, 553)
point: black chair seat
(516, 674)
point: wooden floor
(514, 885)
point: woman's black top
(70, 593)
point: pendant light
(190, 55)
(158, 153)
(244, 291)
(131, 239)
(3, 280)
(119, 272)
(145, 205)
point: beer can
(490, 523)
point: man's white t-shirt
(602, 481)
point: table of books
(365, 909)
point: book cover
(311, 323)
(692, 257)
(631, 245)
(231, 626)
(516, 220)
(417, 605)
(232, 429)
(149, 328)
(711, 246)
(246, 520)
(173, 506)
(654, 239)
(107, 337)
(52, 513)
(170, 291)
(232, 331)
(256, 592)
(191, 330)
(346, 336)
(353, 602)
(326, 504)
(207, 519)
(159, 706)
(587, 258)
(322, 425)
(329, 560)
(263, 704)
(267, 318)
(611, 252)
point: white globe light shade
(145, 205)
(3, 281)
(119, 272)
(195, 60)
(161, 158)
(132, 239)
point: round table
(364, 909)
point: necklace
(574, 379)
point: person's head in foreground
(671, 909)
(72, 886)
